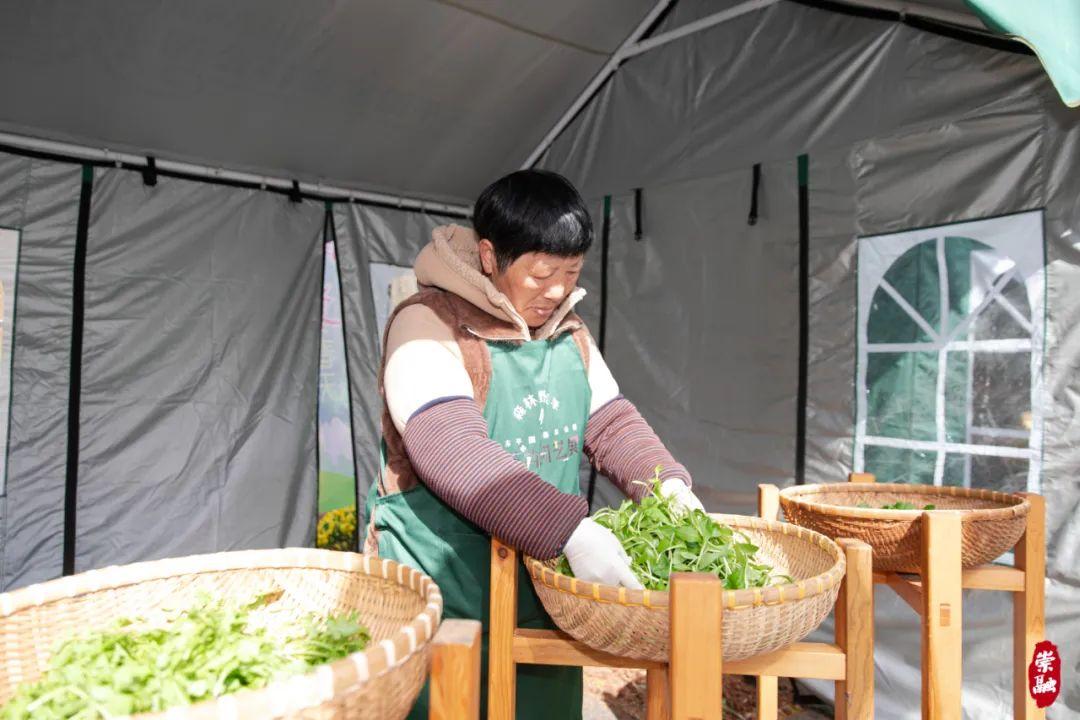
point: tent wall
(903, 129)
(768, 86)
(715, 398)
(199, 368)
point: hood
(451, 261)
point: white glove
(684, 497)
(595, 555)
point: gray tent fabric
(199, 370)
(725, 406)
(41, 200)
(431, 99)
(903, 129)
(368, 234)
(197, 423)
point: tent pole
(594, 85)
(634, 46)
(696, 26)
(81, 152)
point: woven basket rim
(732, 599)
(311, 689)
(1014, 505)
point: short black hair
(532, 211)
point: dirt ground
(612, 694)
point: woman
(492, 388)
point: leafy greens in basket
(661, 539)
(900, 505)
(209, 650)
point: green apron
(536, 408)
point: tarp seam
(491, 17)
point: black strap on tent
(149, 174)
(638, 232)
(294, 194)
(78, 297)
(605, 236)
(755, 184)
(924, 23)
(804, 317)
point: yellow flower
(336, 529)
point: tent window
(950, 354)
(337, 475)
(9, 260)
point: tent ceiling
(428, 98)
(424, 97)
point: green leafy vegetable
(661, 539)
(209, 650)
(903, 505)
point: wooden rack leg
(942, 616)
(455, 671)
(658, 695)
(767, 700)
(696, 667)
(502, 673)
(854, 616)
(767, 685)
(1029, 620)
(768, 497)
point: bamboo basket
(401, 607)
(635, 623)
(992, 521)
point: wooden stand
(455, 671)
(935, 595)
(690, 688)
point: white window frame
(1017, 237)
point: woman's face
(535, 283)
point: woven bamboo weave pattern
(992, 522)
(634, 623)
(400, 606)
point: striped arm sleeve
(622, 446)
(450, 450)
